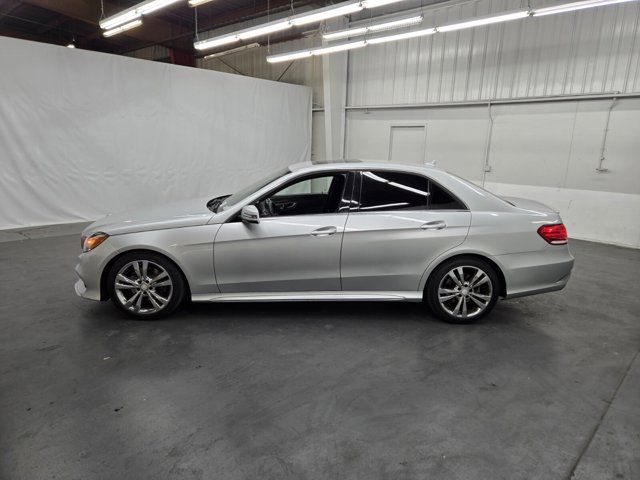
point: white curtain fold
(84, 133)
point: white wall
(545, 151)
(84, 133)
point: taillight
(554, 234)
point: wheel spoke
(456, 311)
(460, 271)
(480, 296)
(133, 298)
(478, 302)
(159, 277)
(454, 278)
(125, 286)
(138, 304)
(122, 278)
(136, 267)
(154, 302)
(464, 306)
(158, 298)
(484, 279)
(447, 294)
(145, 266)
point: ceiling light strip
(484, 21)
(313, 16)
(571, 7)
(285, 57)
(375, 27)
(122, 28)
(233, 50)
(504, 17)
(135, 12)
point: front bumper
(89, 271)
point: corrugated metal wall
(585, 52)
(155, 52)
(252, 63)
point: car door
(400, 223)
(296, 245)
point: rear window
(382, 191)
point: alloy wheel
(465, 291)
(143, 287)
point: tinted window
(393, 191)
(440, 199)
(403, 191)
(308, 196)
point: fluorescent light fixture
(251, 32)
(122, 28)
(378, 3)
(401, 36)
(134, 13)
(570, 7)
(484, 21)
(338, 48)
(285, 57)
(403, 22)
(264, 29)
(149, 6)
(350, 32)
(195, 3)
(215, 42)
(325, 13)
(376, 27)
(119, 19)
(233, 50)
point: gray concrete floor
(548, 387)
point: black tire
(460, 295)
(150, 295)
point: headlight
(92, 241)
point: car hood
(184, 213)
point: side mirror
(249, 214)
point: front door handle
(435, 225)
(324, 231)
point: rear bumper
(531, 273)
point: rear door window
(384, 191)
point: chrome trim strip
(412, 296)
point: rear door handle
(435, 225)
(324, 231)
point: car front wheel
(145, 285)
(463, 290)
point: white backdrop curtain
(84, 133)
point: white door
(408, 144)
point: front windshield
(250, 190)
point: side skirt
(309, 297)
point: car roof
(356, 164)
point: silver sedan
(332, 231)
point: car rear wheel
(462, 290)
(145, 285)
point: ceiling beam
(7, 8)
(55, 23)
